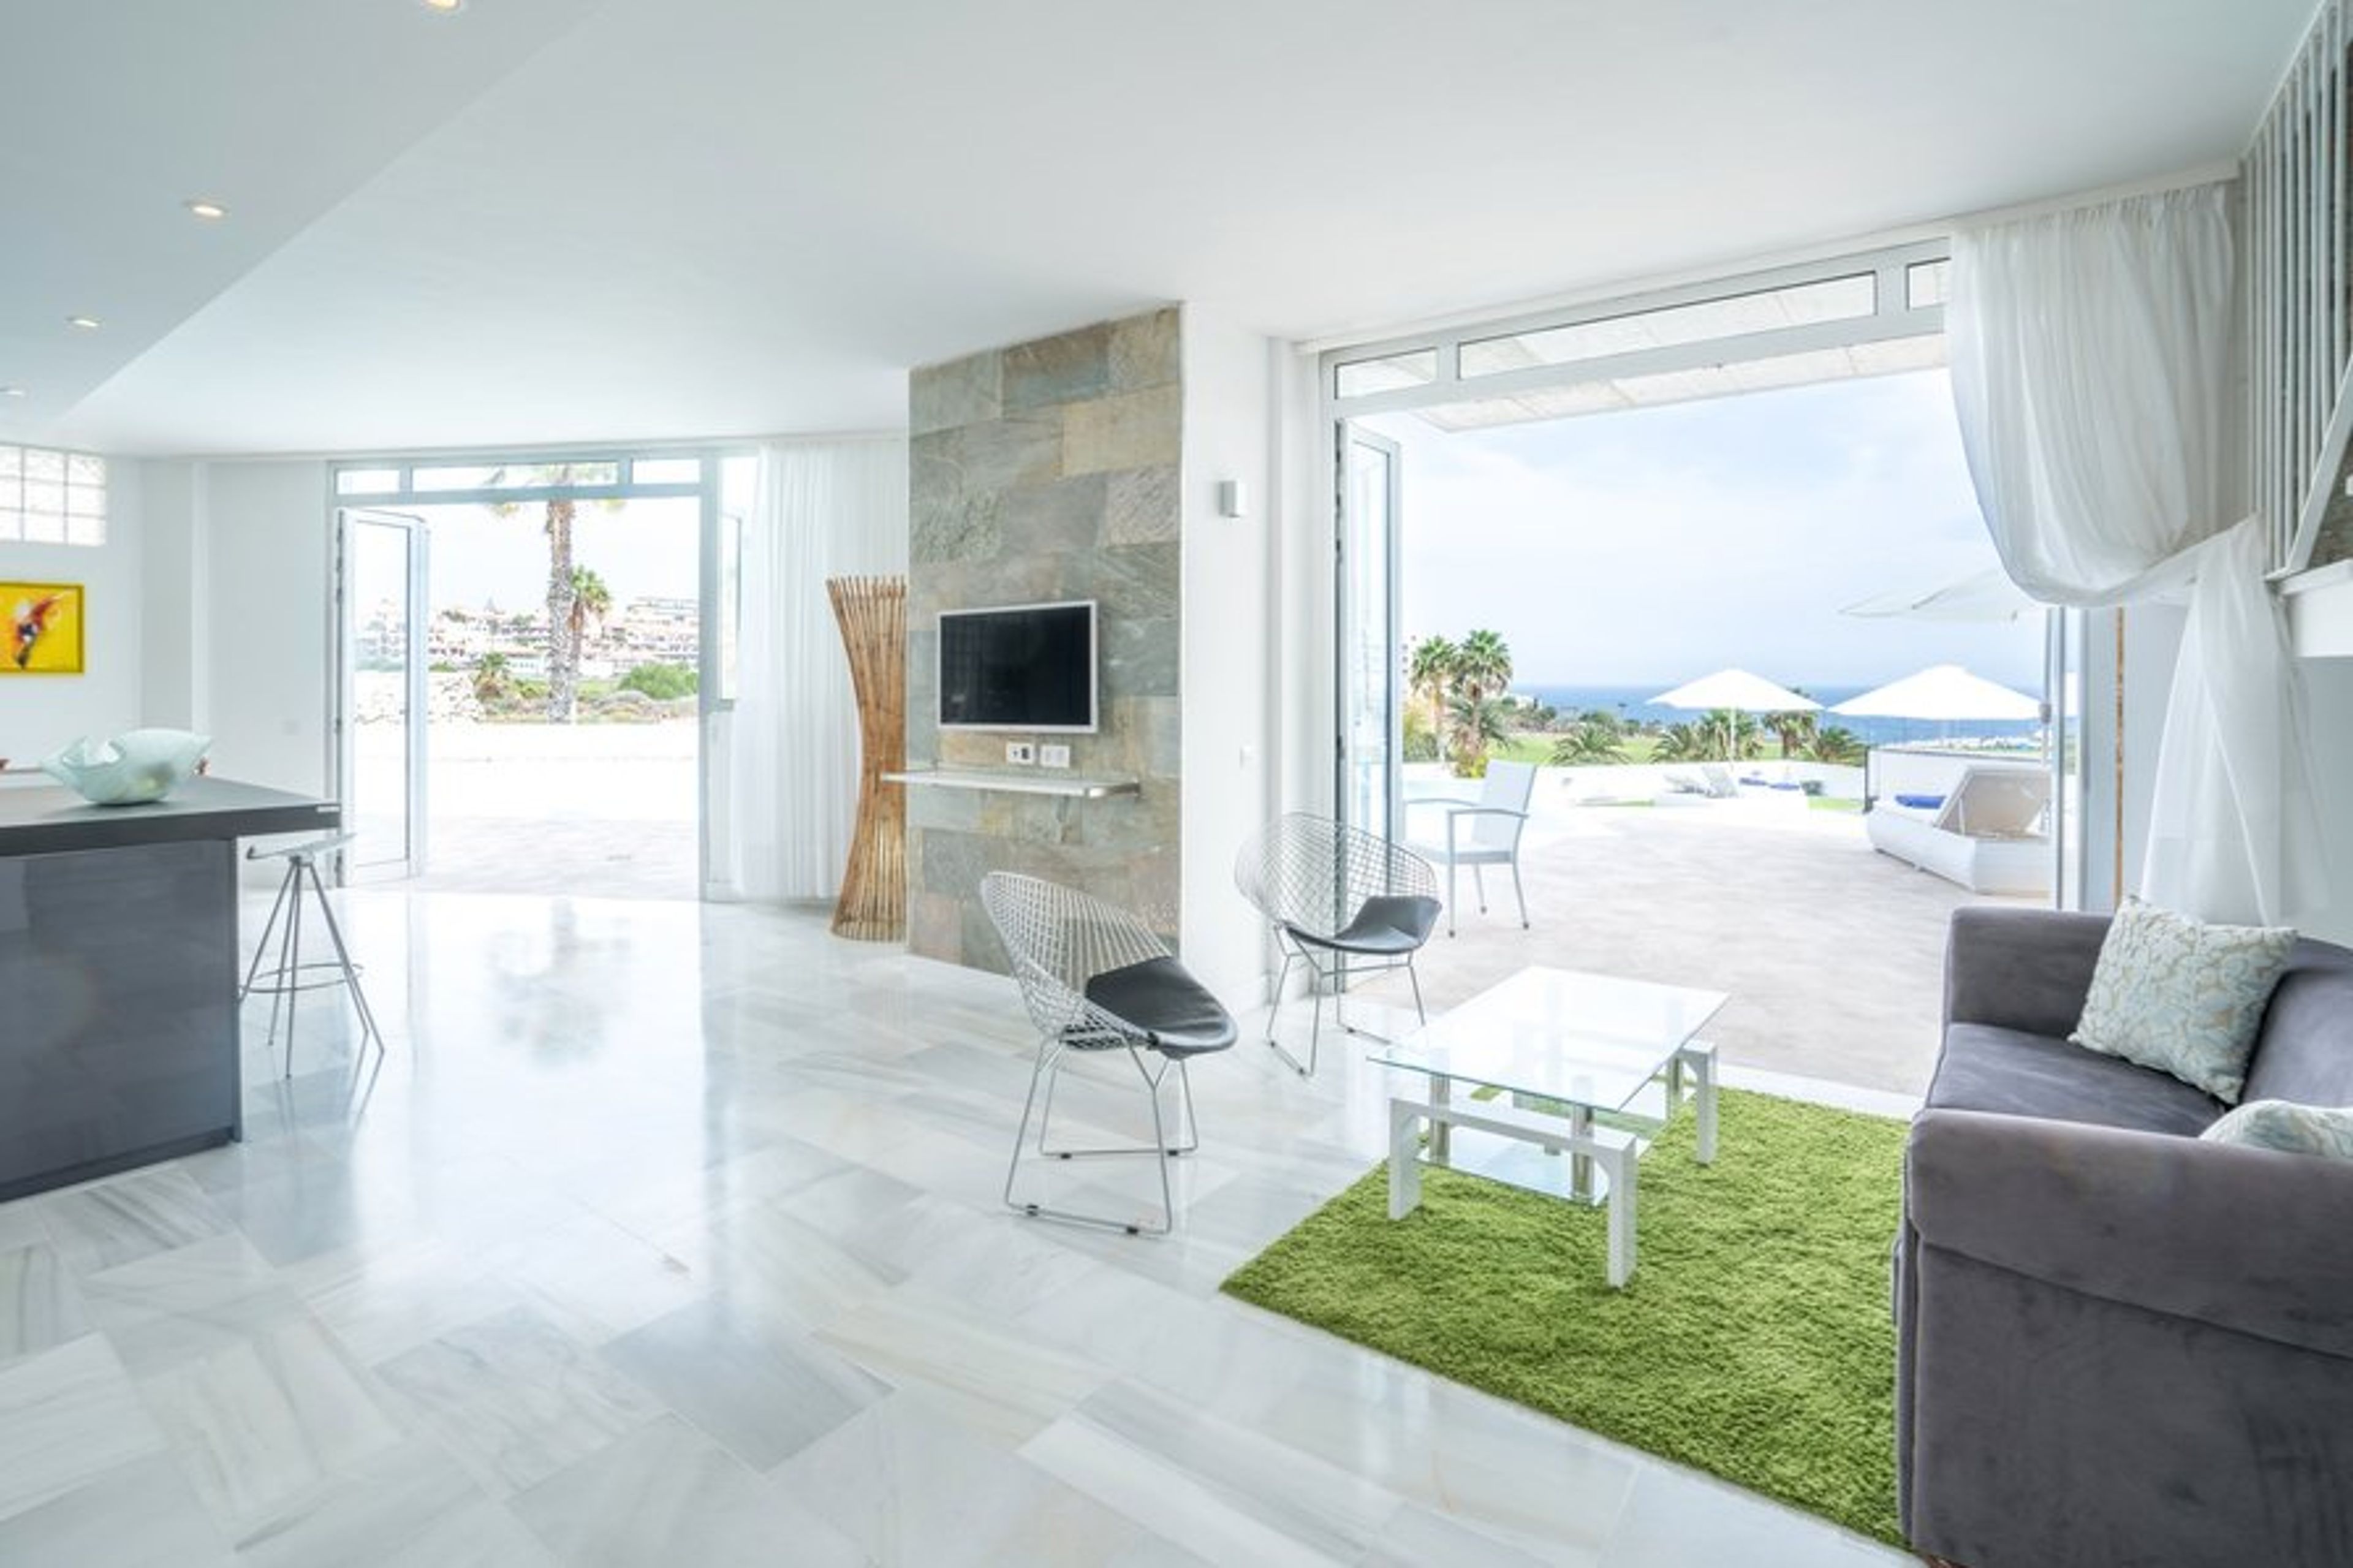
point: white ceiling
(548, 220)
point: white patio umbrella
(1941, 691)
(1739, 691)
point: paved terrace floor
(1832, 954)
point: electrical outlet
(1021, 753)
(1053, 756)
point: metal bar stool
(292, 976)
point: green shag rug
(1753, 1341)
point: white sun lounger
(1989, 834)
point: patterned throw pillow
(2289, 1128)
(2182, 996)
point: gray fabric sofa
(2116, 1344)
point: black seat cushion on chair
(1384, 925)
(1170, 1008)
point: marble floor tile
(913, 1488)
(515, 1400)
(666, 1493)
(994, 1379)
(40, 1306)
(405, 1502)
(264, 1426)
(68, 1415)
(483, 1536)
(170, 1308)
(1679, 1519)
(21, 1225)
(762, 1395)
(127, 1217)
(1217, 1487)
(142, 1514)
(394, 1303)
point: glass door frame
(416, 537)
(371, 484)
(1347, 613)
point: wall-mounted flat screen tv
(1020, 666)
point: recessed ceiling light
(87, 323)
(444, 7)
(12, 391)
(199, 207)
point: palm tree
(1794, 730)
(1730, 734)
(490, 676)
(1835, 744)
(562, 615)
(1475, 725)
(591, 601)
(1685, 744)
(1483, 665)
(1593, 736)
(1428, 669)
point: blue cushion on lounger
(1920, 802)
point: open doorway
(524, 687)
(1550, 527)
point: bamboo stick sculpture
(872, 615)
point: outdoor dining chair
(1482, 832)
(1342, 901)
(1096, 978)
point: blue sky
(1651, 546)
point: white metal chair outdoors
(1484, 832)
(1095, 977)
(292, 976)
(1341, 901)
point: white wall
(39, 714)
(240, 593)
(1231, 645)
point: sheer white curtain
(2093, 375)
(823, 509)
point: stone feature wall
(1047, 472)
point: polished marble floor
(670, 1235)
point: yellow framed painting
(41, 628)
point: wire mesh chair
(1342, 901)
(1095, 977)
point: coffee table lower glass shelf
(1554, 1080)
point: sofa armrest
(2245, 1239)
(2020, 969)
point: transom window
(51, 498)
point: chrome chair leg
(1518, 896)
(1050, 1065)
(368, 1031)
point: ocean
(1632, 702)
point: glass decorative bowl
(135, 768)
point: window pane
(12, 461)
(366, 481)
(666, 472)
(41, 465)
(41, 496)
(1926, 283)
(84, 501)
(84, 469)
(85, 531)
(1845, 298)
(514, 476)
(45, 528)
(1394, 374)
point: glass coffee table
(1559, 1049)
